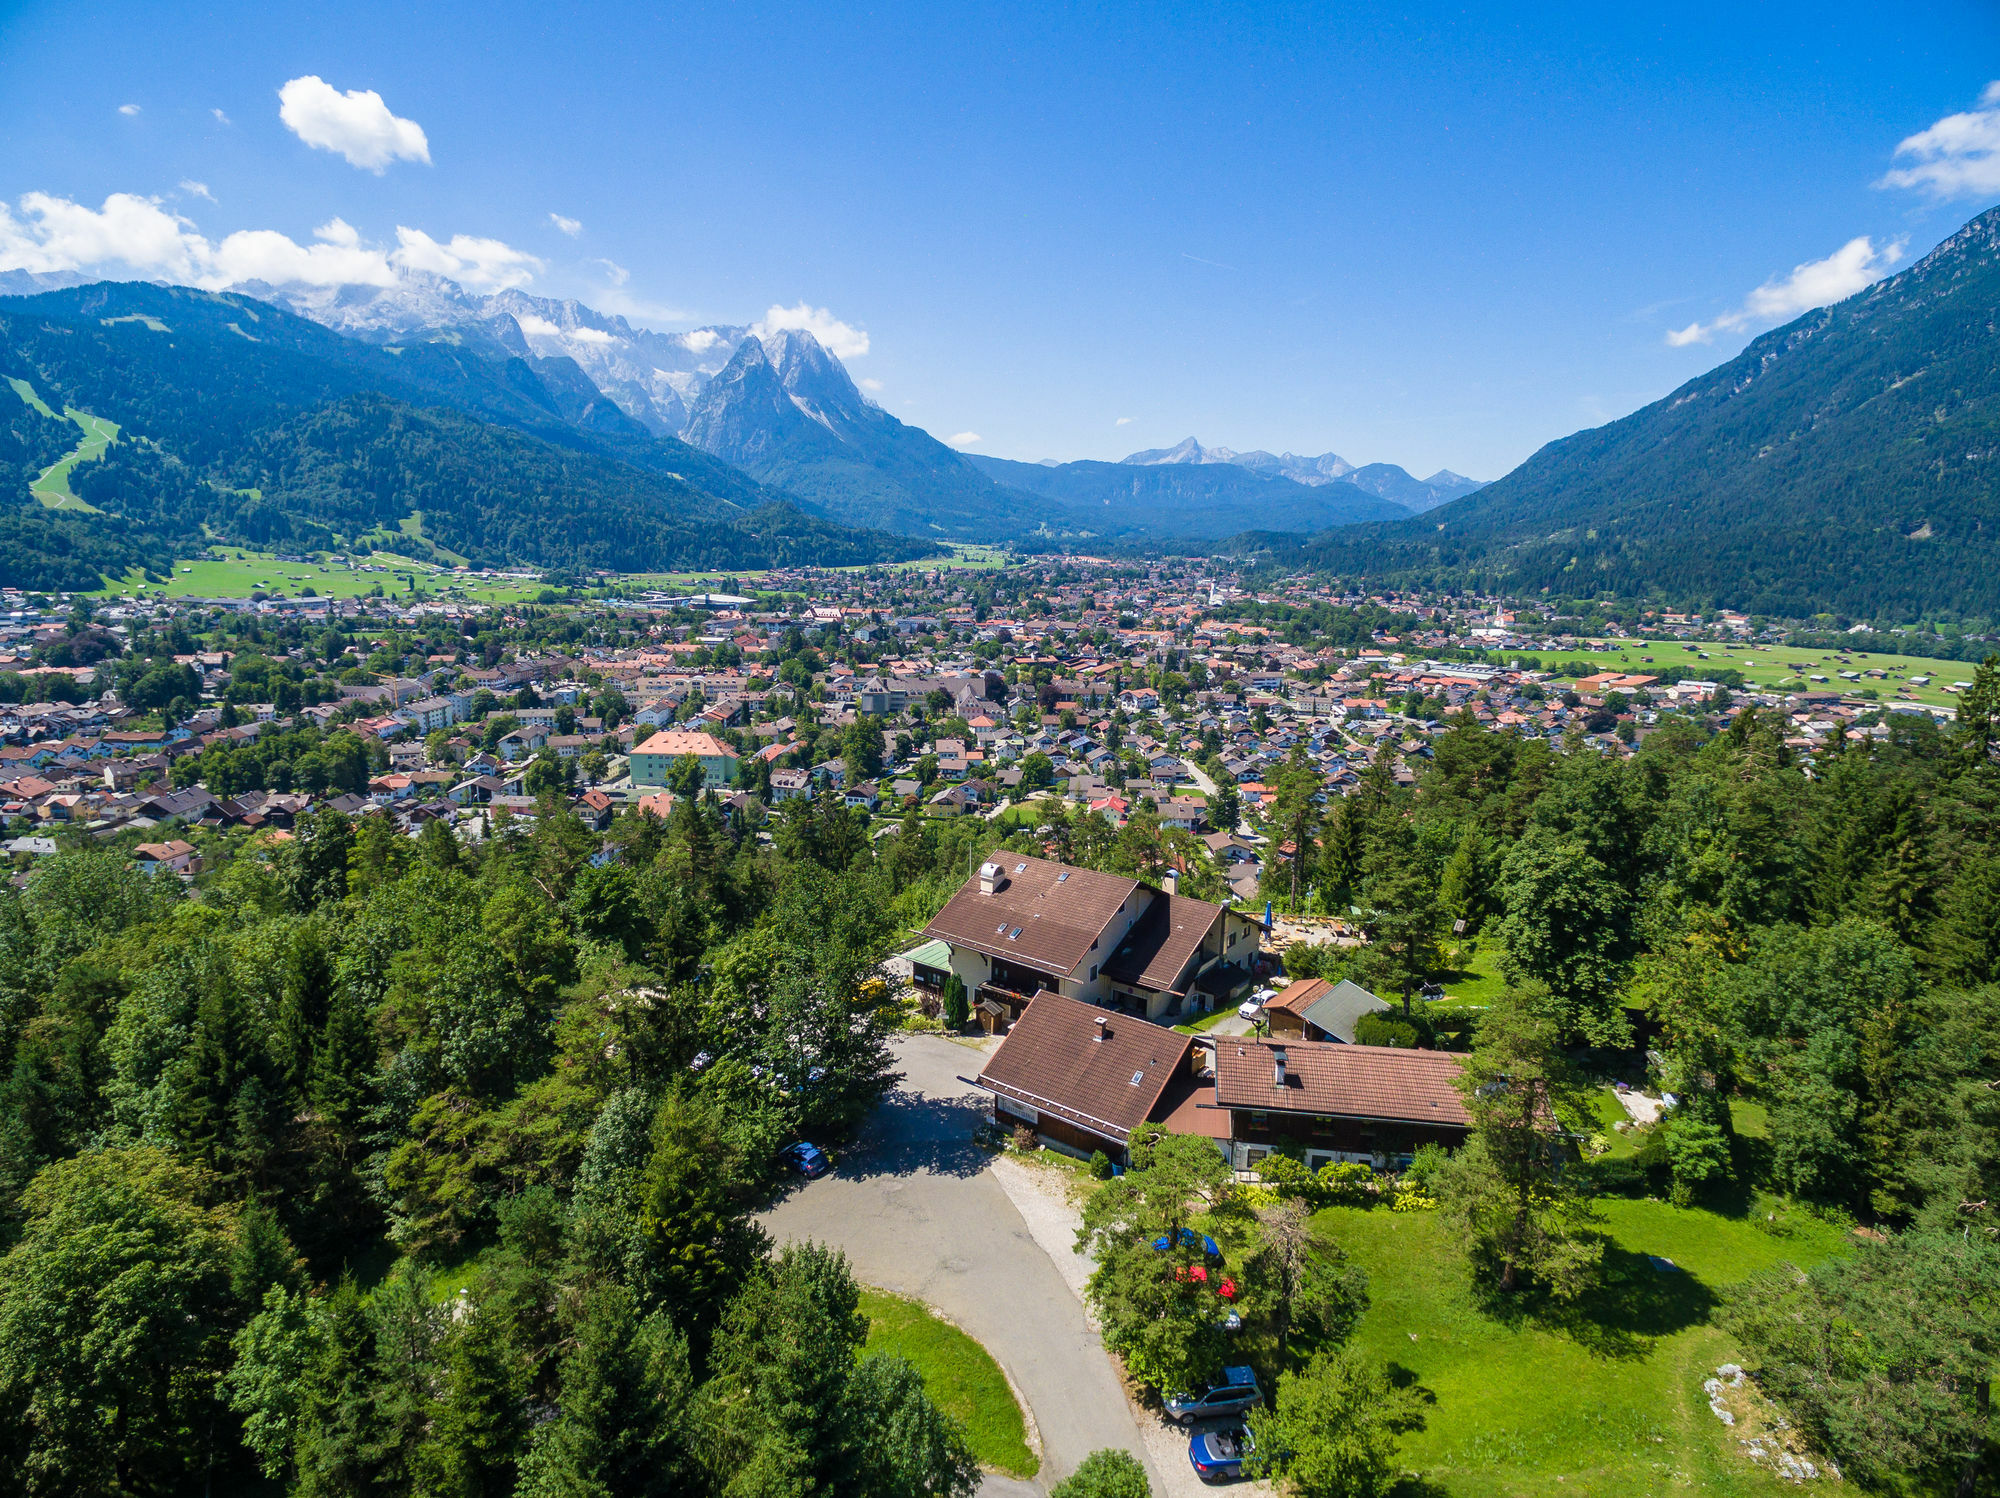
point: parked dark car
(1235, 1394)
(809, 1160)
(1217, 1455)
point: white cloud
(221, 118)
(700, 340)
(196, 189)
(537, 327)
(54, 234)
(137, 236)
(267, 255)
(571, 227)
(837, 337)
(1959, 156)
(356, 124)
(615, 273)
(873, 387)
(963, 439)
(128, 109)
(1817, 283)
(1123, 421)
(476, 264)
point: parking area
(918, 1211)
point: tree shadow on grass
(1635, 1300)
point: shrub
(1105, 1474)
(1380, 1027)
(1424, 1167)
(956, 1009)
(1100, 1165)
(1303, 960)
(1336, 1183)
(1025, 1140)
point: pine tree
(621, 1426)
(477, 1430)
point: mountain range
(1848, 461)
(1386, 480)
(243, 422)
(778, 405)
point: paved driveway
(918, 1212)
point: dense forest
(240, 1132)
(1841, 463)
(245, 424)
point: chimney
(1171, 883)
(1102, 1021)
(1277, 1066)
(989, 878)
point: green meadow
(1773, 667)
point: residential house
(1083, 1078)
(787, 784)
(1087, 1081)
(174, 857)
(1025, 924)
(1369, 1104)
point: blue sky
(1432, 235)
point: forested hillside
(243, 423)
(1849, 461)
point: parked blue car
(1217, 1455)
(1191, 1239)
(809, 1160)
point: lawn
(959, 1375)
(1207, 1022)
(1774, 667)
(1606, 1399)
(1477, 980)
(231, 572)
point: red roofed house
(1022, 924)
(1088, 1080)
(175, 857)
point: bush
(1100, 1165)
(1105, 1474)
(1336, 1183)
(1383, 1027)
(956, 1009)
(1025, 1140)
(1424, 1167)
(1307, 961)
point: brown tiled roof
(1295, 999)
(1347, 1081)
(1052, 1060)
(1188, 1107)
(1161, 942)
(1058, 911)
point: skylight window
(1020, 868)
(1138, 1077)
(1014, 934)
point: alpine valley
(517, 429)
(1844, 462)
